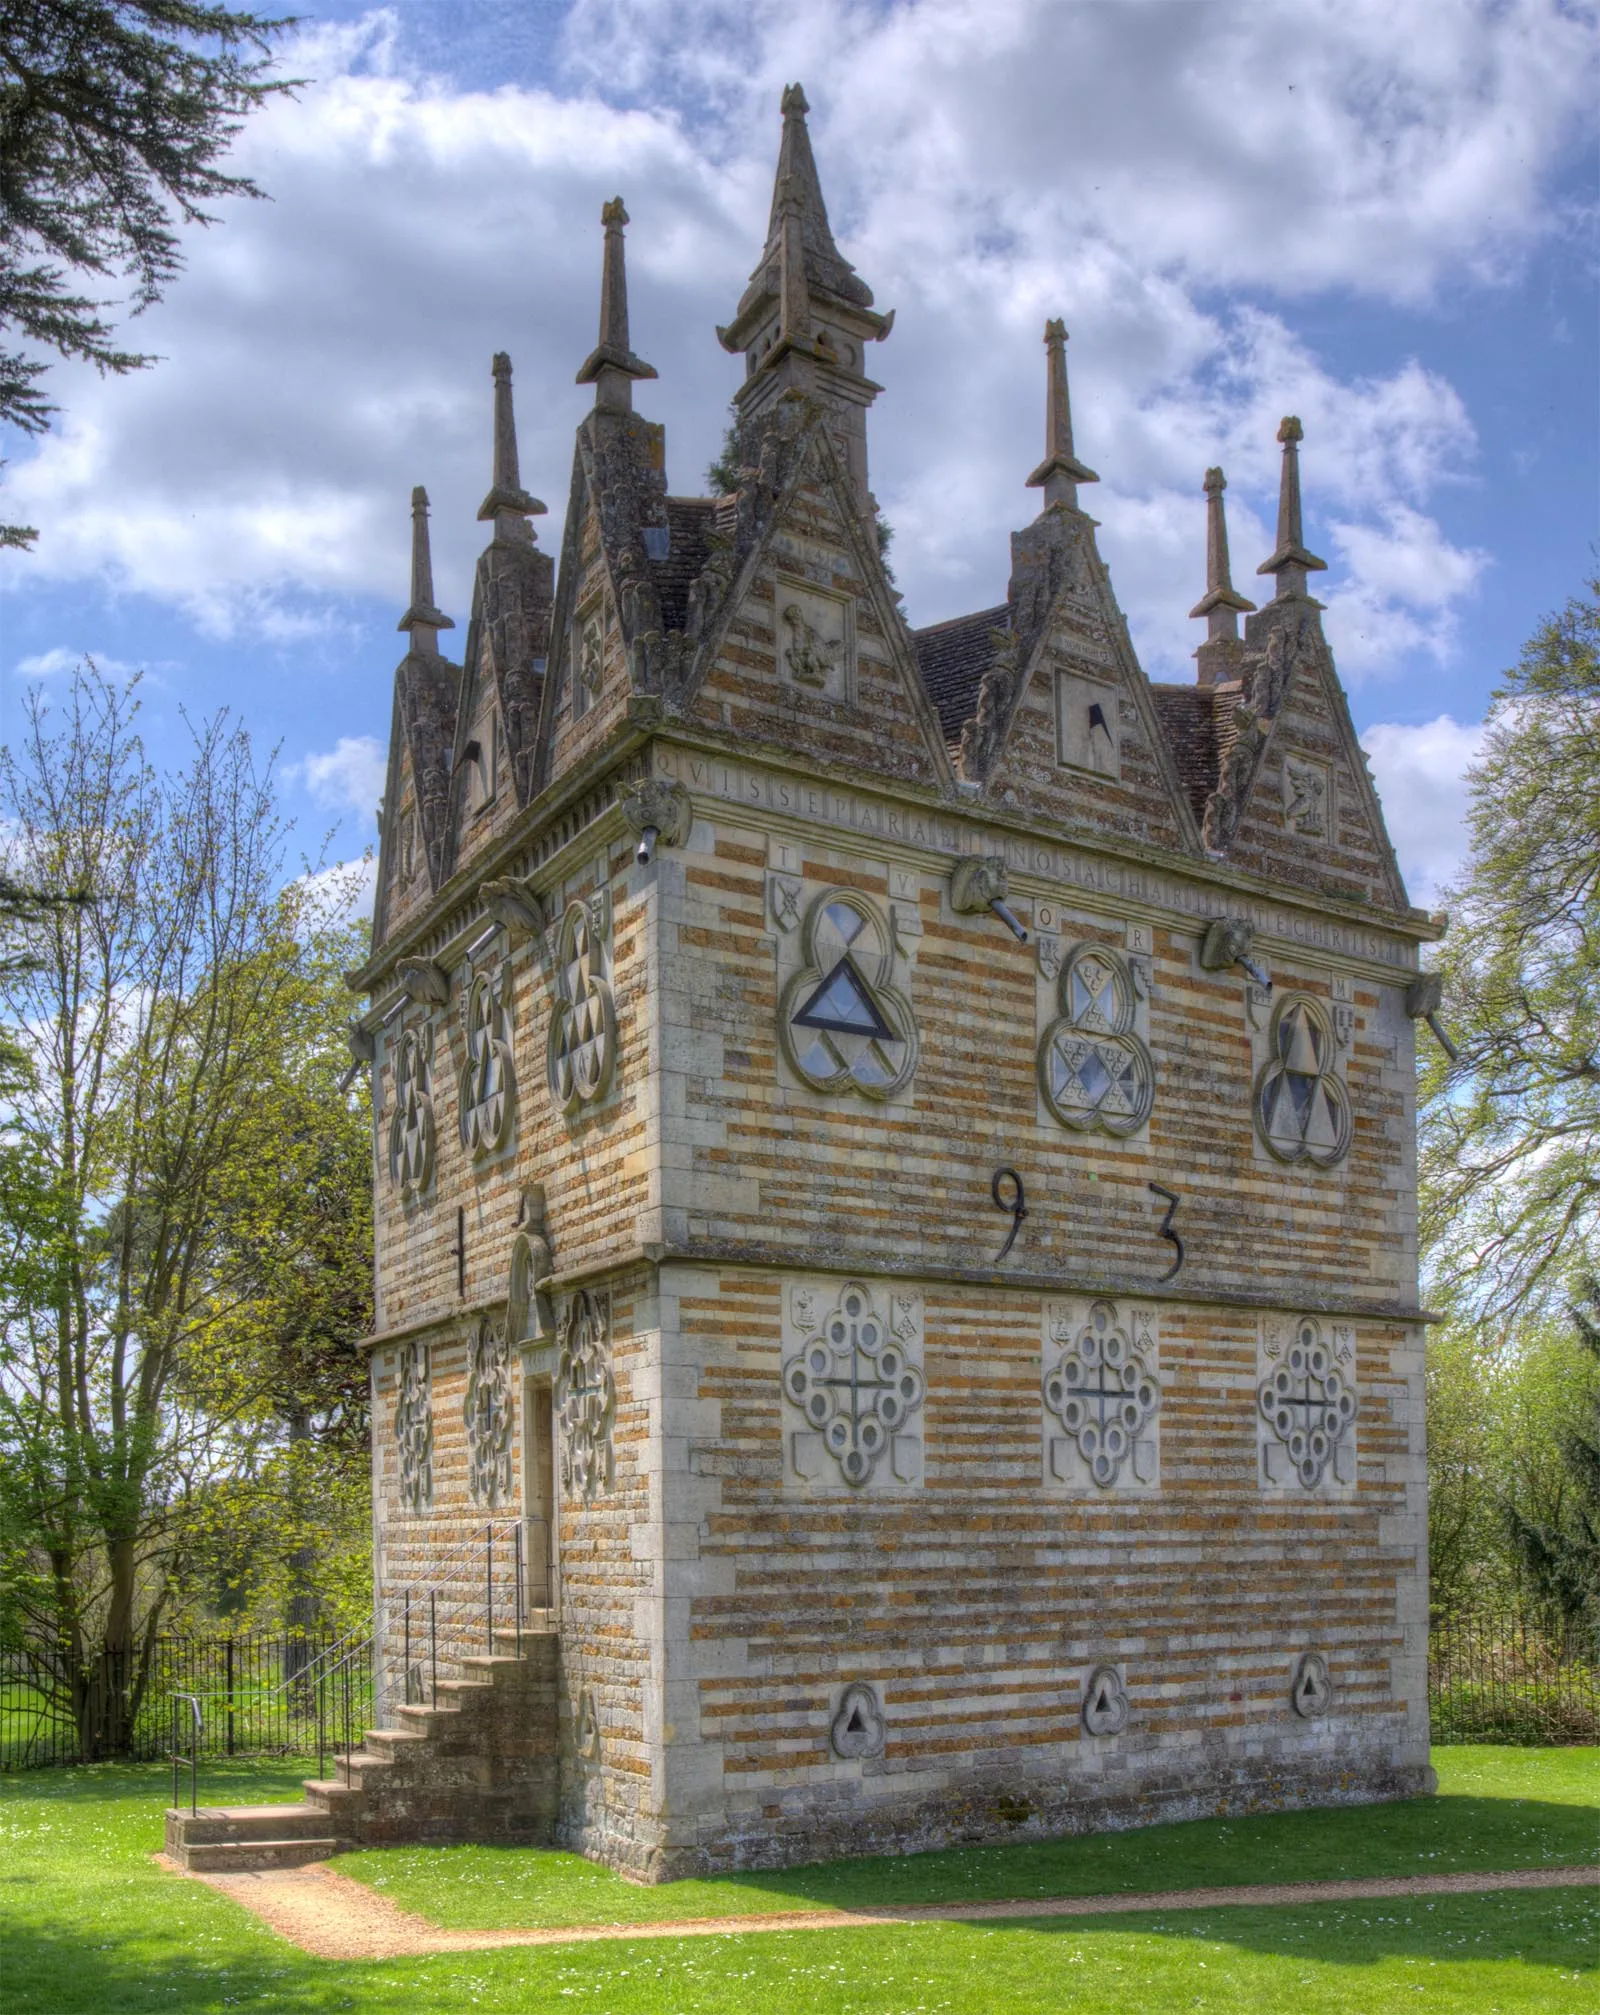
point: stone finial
(611, 366)
(507, 503)
(422, 619)
(1221, 604)
(1291, 562)
(1060, 473)
(794, 295)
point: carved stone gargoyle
(1424, 998)
(362, 1044)
(515, 903)
(978, 882)
(1227, 942)
(423, 980)
(658, 813)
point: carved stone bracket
(514, 903)
(426, 983)
(529, 1317)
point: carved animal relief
(1305, 796)
(815, 639)
(413, 1428)
(582, 1049)
(411, 1121)
(488, 1080)
(1302, 1109)
(586, 1397)
(844, 1026)
(1307, 1405)
(1095, 1072)
(1101, 1397)
(487, 1412)
(853, 1385)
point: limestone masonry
(895, 1165)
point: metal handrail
(196, 1728)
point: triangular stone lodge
(736, 948)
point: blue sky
(1379, 216)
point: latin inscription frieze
(864, 817)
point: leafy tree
(1510, 1133)
(1562, 1550)
(1503, 1420)
(114, 118)
(184, 1153)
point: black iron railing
(258, 1688)
(1503, 1677)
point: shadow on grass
(1015, 1965)
(480, 1888)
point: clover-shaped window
(411, 1120)
(1302, 1108)
(488, 1083)
(582, 1050)
(1095, 1073)
(843, 1024)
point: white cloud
(987, 162)
(61, 659)
(341, 894)
(1421, 777)
(347, 777)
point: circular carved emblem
(1103, 1394)
(1302, 1108)
(852, 1382)
(843, 1025)
(583, 1025)
(1095, 1073)
(1308, 1403)
(411, 1125)
(488, 1085)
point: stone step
(250, 1857)
(216, 1824)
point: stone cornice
(867, 1266)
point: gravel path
(332, 1917)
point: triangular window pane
(844, 1002)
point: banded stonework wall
(976, 1601)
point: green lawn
(88, 1925)
(1497, 1808)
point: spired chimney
(1291, 562)
(803, 323)
(422, 619)
(1060, 473)
(611, 366)
(1222, 654)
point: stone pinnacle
(422, 619)
(1060, 473)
